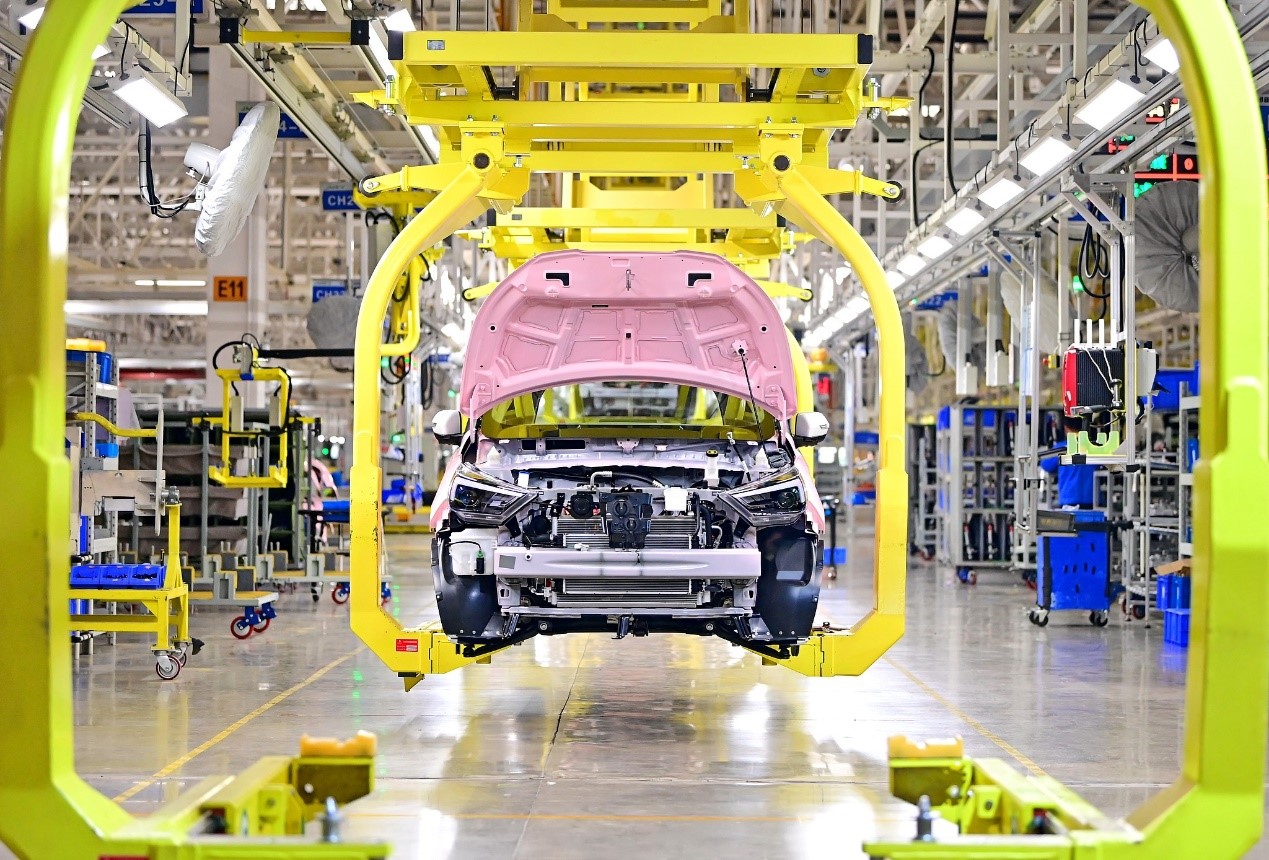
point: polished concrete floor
(661, 747)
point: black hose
(949, 83)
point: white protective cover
(1046, 314)
(237, 180)
(1167, 245)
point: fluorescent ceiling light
(144, 282)
(896, 280)
(999, 193)
(1110, 104)
(401, 21)
(843, 315)
(910, 265)
(380, 52)
(1163, 54)
(1046, 155)
(144, 94)
(127, 307)
(964, 220)
(934, 247)
(179, 282)
(31, 19)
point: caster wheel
(316, 597)
(830, 573)
(926, 555)
(240, 628)
(166, 667)
(1139, 613)
(1039, 617)
(182, 657)
(261, 627)
(1099, 619)
(967, 576)
(339, 594)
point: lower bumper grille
(622, 592)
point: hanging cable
(949, 85)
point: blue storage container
(1163, 591)
(1176, 627)
(85, 575)
(107, 449)
(78, 607)
(147, 576)
(115, 576)
(834, 556)
(85, 535)
(1073, 571)
(1180, 592)
(105, 366)
(335, 510)
(1170, 381)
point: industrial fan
(229, 180)
(1168, 245)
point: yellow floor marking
(175, 765)
(973, 723)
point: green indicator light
(326, 452)
(1077, 285)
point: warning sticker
(408, 646)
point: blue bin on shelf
(107, 449)
(115, 576)
(86, 575)
(1180, 592)
(1169, 382)
(1176, 627)
(335, 510)
(78, 607)
(145, 576)
(1163, 591)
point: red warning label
(409, 646)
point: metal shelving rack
(923, 489)
(975, 468)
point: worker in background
(1075, 483)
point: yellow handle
(111, 427)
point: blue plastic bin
(335, 510)
(107, 449)
(78, 607)
(1176, 627)
(1073, 571)
(115, 576)
(86, 575)
(147, 576)
(834, 556)
(1163, 591)
(1180, 596)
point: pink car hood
(583, 316)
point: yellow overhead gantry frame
(629, 103)
(1214, 810)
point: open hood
(584, 316)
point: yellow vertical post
(1216, 807)
(44, 806)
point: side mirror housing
(809, 428)
(447, 426)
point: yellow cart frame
(1214, 810)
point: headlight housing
(777, 500)
(478, 499)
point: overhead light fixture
(910, 265)
(380, 53)
(128, 307)
(148, 97)
(964, 220)
(179, 282)
(31, 18)
(1110, 104)
(401, 21)
(895, 279)
(1000, 192)
(934, 247)
(1046, 155)
(1163, 54)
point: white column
(247, 256)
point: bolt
(820, 73)
(924, 820)
(544, 626)
(781, 163)
(331, 821)
(481, 160)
